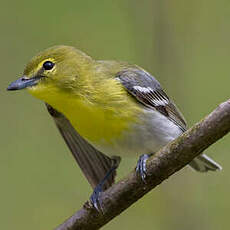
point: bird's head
(56, 68)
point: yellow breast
(94, 121)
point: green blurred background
(185, 44)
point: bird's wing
(147, 90)
(94, 164)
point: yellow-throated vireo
(103, 110)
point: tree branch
(164, 163)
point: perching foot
(95, 197)
(141, 166)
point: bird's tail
(203, 163)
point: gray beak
(24, 82)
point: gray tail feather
(203, 163)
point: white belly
(154, 132)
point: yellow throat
(99, 108)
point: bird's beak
(24, 82)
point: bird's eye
(48, 65)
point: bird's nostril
(24, 78)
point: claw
(95, 198)
(141, 166)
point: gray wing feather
(147, 90)
(93, 163)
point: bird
(105, 110)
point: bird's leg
(95, 197)
(141, 165)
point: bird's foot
(95, 197)
(141, 166)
